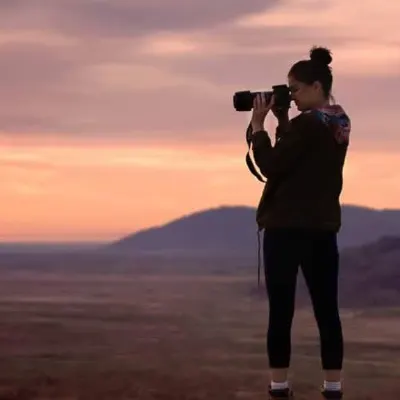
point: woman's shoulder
(308, 120)
(332, 118)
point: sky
(117, 115)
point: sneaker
(332, 394)
(280, 394)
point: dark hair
(315, 69)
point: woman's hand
(281, 114)
(260, 110)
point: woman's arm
(276, 161)
(283, 126)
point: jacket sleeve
(276, 161)
(281, 129)
(279, 132)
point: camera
(243, 101)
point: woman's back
(305, 171)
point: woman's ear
(317, 86)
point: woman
(300, 213)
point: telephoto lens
(243, 100)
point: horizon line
(95, 242)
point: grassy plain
(169, 335)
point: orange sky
(97, 192)
(107, 128)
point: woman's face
(305, 96)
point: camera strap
(249, 161)
(253, 170)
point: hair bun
(321, 55)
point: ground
(169, 336)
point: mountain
(230, 230)
(370, 256)
(215, 231)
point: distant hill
(370, 256)
(230, 230)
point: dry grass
(169, 337)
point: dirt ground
(170, 336)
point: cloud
(168, 69)
(99, 18)
(333, 18)
(50, 158)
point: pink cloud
(57, 77)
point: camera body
(243, 101)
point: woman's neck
(324, 103)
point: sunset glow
(108, 128)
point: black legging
(317, 254)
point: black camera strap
(249, 161)
(253, 170)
